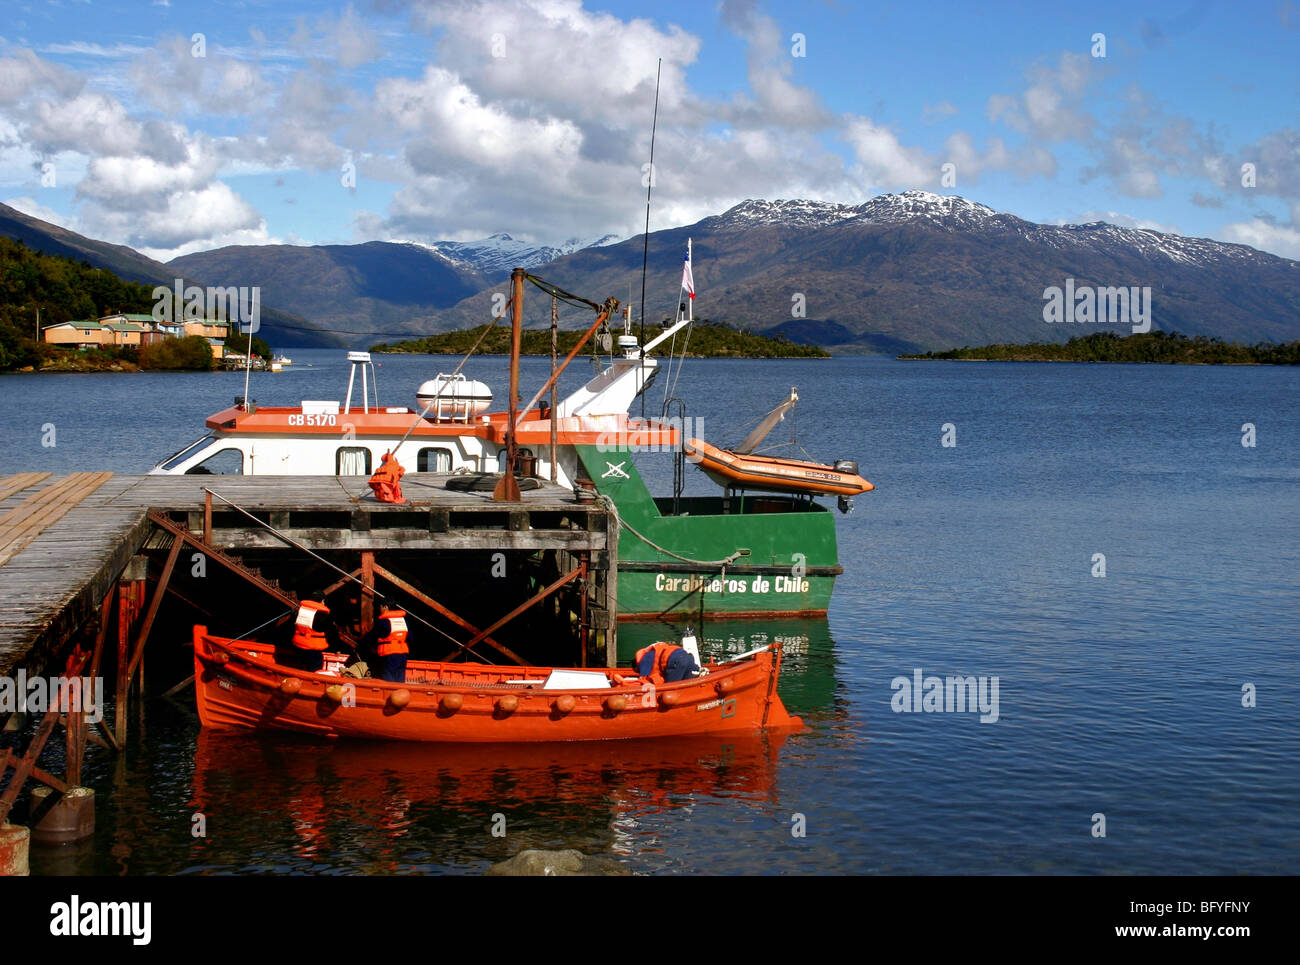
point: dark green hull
(685, 564)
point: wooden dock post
(368, 591)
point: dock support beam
(611, 589)
(368, 591)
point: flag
(688, 280)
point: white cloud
(189, 220)
(33, 208)
(885, 160)
(1283, 240)
(1049, 108)
(1121, 220)
(556, 56)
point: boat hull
(780, 551)
(239, 687)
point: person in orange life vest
(665, 663)
(312, 633)
(387, 643)
(387, 480)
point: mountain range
(900, 272)
(129, 265)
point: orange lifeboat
(773, 474)
(239, 686)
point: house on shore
(120, 330)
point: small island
(1166, 348)
(704, 339)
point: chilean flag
(688, 280)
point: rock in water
(567, 862)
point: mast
(507, 490)
(645, 245)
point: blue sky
(314, 123)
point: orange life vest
(662, 652)
(304, 636)
(387, 480)
(395, 642)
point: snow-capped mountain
(500, 253)
(883, 209)
(923, 270)
(897, 272)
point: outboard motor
(850, 468)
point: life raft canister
(395, 641)
(305, 636)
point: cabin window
(188, 451)
(227, 462)
(352, 462)
(433, 460)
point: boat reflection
(386, 808)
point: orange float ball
(452, 702)
(508, 704)
(399, 698)
(616, 704)
(565, 704)
(290, 686)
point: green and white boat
(762, 546)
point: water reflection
(285, 805)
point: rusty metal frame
(482, 634)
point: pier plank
(10, 485)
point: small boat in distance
(282, 359)
(239, 686)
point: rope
(559, 293)
(375, 593)
(623, 524)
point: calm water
(1119, 695)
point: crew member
(665, 663)
(387, 480)
(387, 642)
(313, 633)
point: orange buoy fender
(670, 700)
(399, 698)
(725, 686)
(290, 686)
(334, 692)
(508, 704)
(616, 704)
(221, 657)
(452, 702)
(565, 704)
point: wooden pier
(88, 553)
